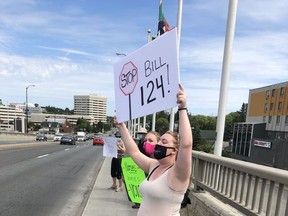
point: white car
(81, 138)
(57, 137)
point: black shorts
(116, 171)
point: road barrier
(250, 188)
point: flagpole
(149, 39)
(230, 30)
(179, 22)
(179, 25)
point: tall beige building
(91, 105)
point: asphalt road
(48, 180)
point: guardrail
(250, 188)
(16, 134)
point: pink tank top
(158, 199)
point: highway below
(46, 178)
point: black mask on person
(161, 151)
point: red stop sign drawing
(128, 78)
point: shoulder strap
(169, 167)
(155, 169)
(152, 172)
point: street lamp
(27, 106)
(120, 54)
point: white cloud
(68, 49)
(264, 11)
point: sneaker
(113, 187)
(118, 189)
(136, 206)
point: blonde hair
(175, 138)
(155, 134)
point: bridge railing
(250, 188)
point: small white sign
(146, 81)
(263, 144)
(110, 147)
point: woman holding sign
(147, 145)
(116, 171)
(164, 188)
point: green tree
(107, 127)
(242, 113)
(230, 120)
(162, 125)
(211, 124)
(163, 114)
(71, 112)
(196, 136)
(55, 110)
(204, 122)
(204, 146)
(83, 125)
(149, 122)
(99, 127)
(110, 121)
(160, 115)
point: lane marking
(67, 149)
(43, 156)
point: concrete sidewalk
(104, 202)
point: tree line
(198, 123)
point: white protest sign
(110, 147)
(146, 81)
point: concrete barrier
(29, 141)
(16, 136)
(204, 204)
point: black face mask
(160, 151)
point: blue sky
(67, 48)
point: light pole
(120, 54)
(27, 106)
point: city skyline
(69, 48)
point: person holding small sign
(168, 179)
(116, 171)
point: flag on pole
(163, 25)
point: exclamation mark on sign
(168, 76)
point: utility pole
(26, 110)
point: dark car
(67, 140)
(41, 137)
(98, 141)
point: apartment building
(269, 104)
(11, 116)
(263, 138)
(91, 105)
